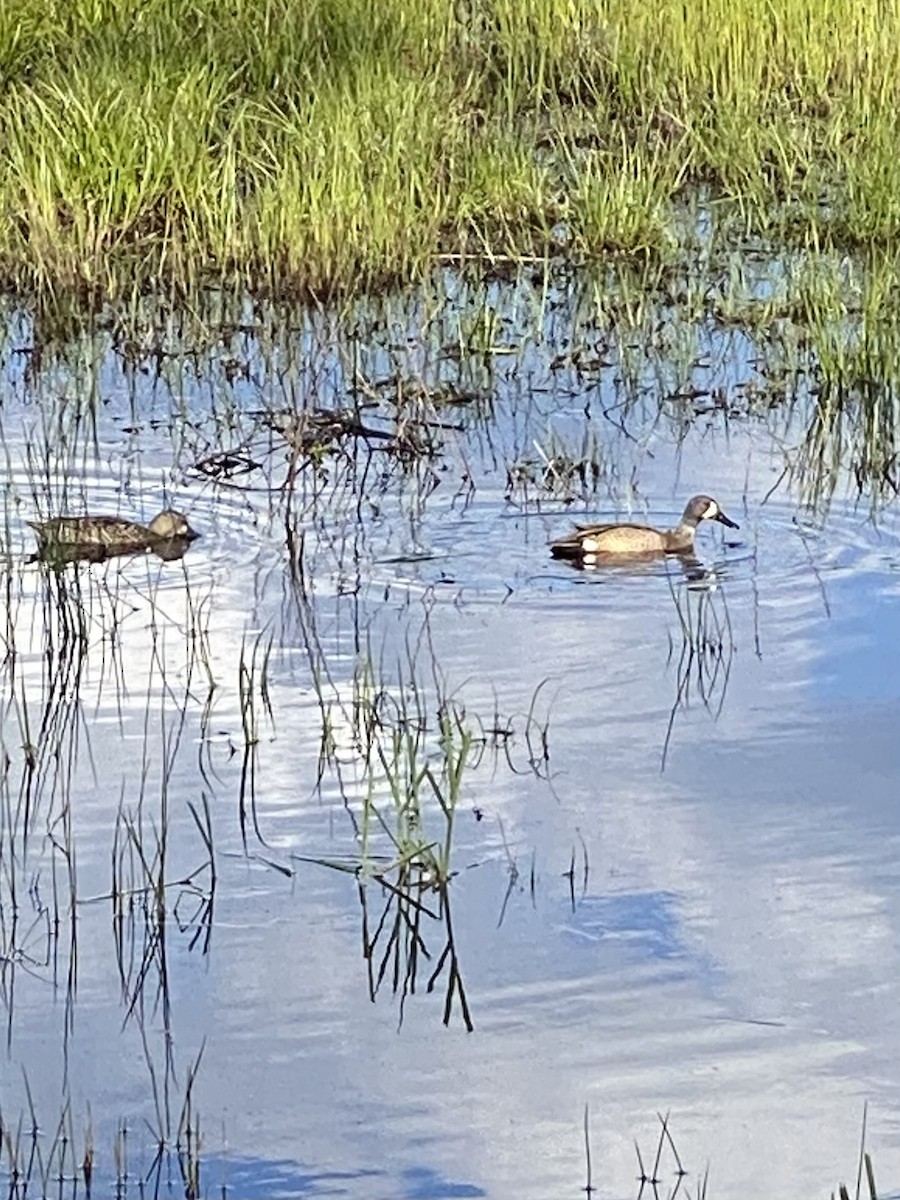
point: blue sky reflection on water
(691, 907)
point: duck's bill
(720, 516)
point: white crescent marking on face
(589, 545)
(711, 511)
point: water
(674, 853)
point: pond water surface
(675, 845)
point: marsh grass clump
(401, 768)
(845, 379)
(558, 471)
(414, 765)
(405, 756)
(63, 1155)
(312, 147)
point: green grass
(312, 145)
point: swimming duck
(587, 541)
(100, 537)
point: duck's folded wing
(572, 545)
(610, 539)
(64, 530)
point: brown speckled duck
(101, 537)
(626, 539)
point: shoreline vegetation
(313, 147)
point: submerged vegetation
(313, 146)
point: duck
(93, 536)
(626, 539)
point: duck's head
(172, 524)
(704, 508)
